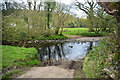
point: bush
(52, 37)
(91, 34)
(101, 57)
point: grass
(74, 31)
(14, 58)
(52, 37)
(81, 32)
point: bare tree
(88, 7)
(60, 16)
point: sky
(78, 12)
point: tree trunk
(118, 32)
(91, 29)
(48, 20)
(34, 5)
(61, 31)
(57, 31)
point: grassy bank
(101, 62)
(81, 32)
(52, 37)
(41, 37)
(15, 58)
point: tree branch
(82, 7)
(107, 8)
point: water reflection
(69, 51)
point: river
(65, 51)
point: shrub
(91, 34)
(101, 57)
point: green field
(81, 32)
(74, 31)
(14, 58)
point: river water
(67, 51)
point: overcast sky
(78, 12)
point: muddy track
(66, 69)
(48, 72)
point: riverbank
(15, 59)
(89, 39)
(49, 42)
(102, 61)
